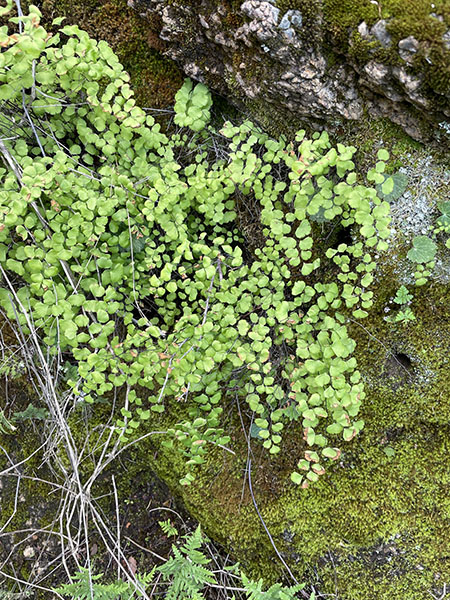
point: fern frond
(193, 541)
(85, 588)
(168, 527)
(185, 570)
(255, 591)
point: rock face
(315, 60)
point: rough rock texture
(316, 60)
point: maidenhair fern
(119, 243)
(192, 106)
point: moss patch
(374, 526)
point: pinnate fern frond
(85, 588)
(184, 569)
(277, 591)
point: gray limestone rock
(380, 32)
(407, 48)
(363, 30)
(290, 67)
(377, 72)
(292, 18)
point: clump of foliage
(424, 247)
(12, 366)
(31, 413)
(86, 586)
(186, 574)
(443, 221)
(423, 250)
(119, 244)
(403, 296)
(192, 106)
(422, 253)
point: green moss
(360, 48)
(339, 16)
(222, 505)
(382, 519)
(369, 135)
(413, 18)
(405, 17)
(31, 505)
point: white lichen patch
(415, 211)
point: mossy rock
(375, 526)
(426, 23)
(321, 61)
